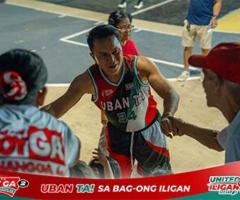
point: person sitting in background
(221, 68)
(31, 141)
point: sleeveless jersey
(128, 104)
(32, 141)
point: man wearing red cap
(221, 68)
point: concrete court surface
(61, 40)
(163, 11)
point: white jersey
(33, 141)
(229, 139)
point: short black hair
(100, 32)
(31, 69)
(116, 17)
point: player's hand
(104, 119)
(104, 122)
(177, 124)
(99, 156)
(213, 22)
(166, 124)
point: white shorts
(192, 32)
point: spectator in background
(28, 136)
(221, 68)
(123, 22)
(123, 4)
(201, 19)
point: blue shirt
(200, 12)
(229, 139)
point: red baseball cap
(223, 59)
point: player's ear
(41, 96)
(218, 81)
(93, 57)
(91, 54)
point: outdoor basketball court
(59, 36)
(61, 41)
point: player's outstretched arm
(149, 72)
(81, 85)
(207, 137)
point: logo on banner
(10, 185)
(224, 185)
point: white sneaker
(183, 76)
(139, 5)
(122, 5)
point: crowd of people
(33, 140)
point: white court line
(73, 42)
(180, 35)
(76, 34)
(161, 32)
(87, 30)
(99, 22)
(169, 63)
(166, 62)
(136, 30)
(224, 31)
(152, 7)
(66, 38)
(62, 16)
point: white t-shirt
(229, 139)
(33, 141)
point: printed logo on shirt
(124, 102)
(106, 93)
(9, 185)
(129, 86)
(34, 150)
